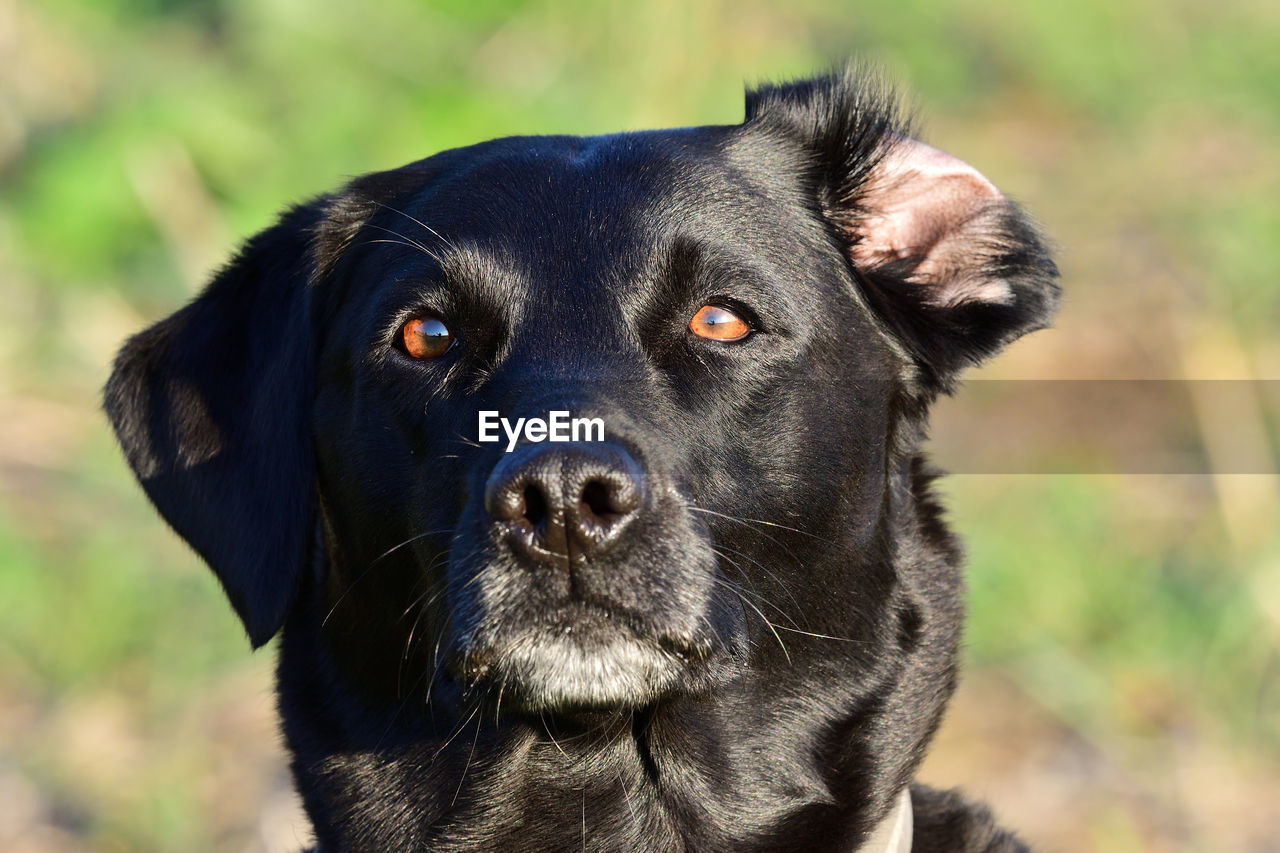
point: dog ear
(949, 263)
(212, 409)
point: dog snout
(565, 502)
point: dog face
(756, 316)
(607, 572)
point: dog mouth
(552, 612)
(580, 657)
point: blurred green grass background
(1123, 683)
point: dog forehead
(585, 193)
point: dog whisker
(439, 582)
(417, 620)
(408, 241)
(457, 731)
(721, 549)
(497, 705)
(448, 244)
(757, 521)
(711, 629)
(408, 244)
(554, 742)
(369, 568)
(754, 525)
(766, 621)
(755, 593)
(437, 660)
(470, 756)
(794, 630)
(824, 636)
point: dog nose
(565, 501)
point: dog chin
(559, 669)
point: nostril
(535, 506)
(606, 502)
(597, 500)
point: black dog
(732, 624)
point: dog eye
(426, 337)
(717, 323)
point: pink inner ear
(923, 203)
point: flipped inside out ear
(952, 266)
(212, 409)
(947, 258)
(923, 210)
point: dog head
(749, 319)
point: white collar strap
(893, 834)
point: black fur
(787, 576)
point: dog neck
(892, 835)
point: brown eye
(716, 323)
(426, 337)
